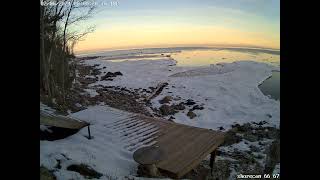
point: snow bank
(105, 152)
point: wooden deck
(61, 121)
(184, 146)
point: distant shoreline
(261, 49)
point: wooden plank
(61, 121)
(179, 148)
(185, 149)
(185, 146)
(198, 158)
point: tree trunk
(44, 60)
(64, 49)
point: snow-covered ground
(228, 92)
(105, 152)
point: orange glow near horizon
(135, 37)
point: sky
(167, 23)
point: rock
(231, 138)
(109, 75)
(167, 110)
(179, 106)
(272, 133)
(221, 170)
(84, 170)
(95, 72)
(165, 100)
(87, 80)
(45, 174)
(118, 73)
(275, 151)
(242, 129)
(190, 102)
(260, 123)
(259, 156)
(191, 115)
(254, 148)
(250, 137)
(245, 127)
(221, 128)
(273, 156)
(197, 107)
(171, 119)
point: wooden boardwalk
(184, 146)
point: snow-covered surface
(105, 152)
(276, 169)
(45, 128)
(46, 108)
(228, 92)
(91, 92)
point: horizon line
(91, 51)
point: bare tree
(57, 41)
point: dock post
(89, 137)
(212, 159)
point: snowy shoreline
(228, 93)
(224, 87)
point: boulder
(197, 107)
(190, 102)
(273, 156)
(231, 138)
(46, 174)
(118, 73)
(165, 100)
(109, 75)
(250, 137)
(179, 106)
(167, 110)
(191, 115)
